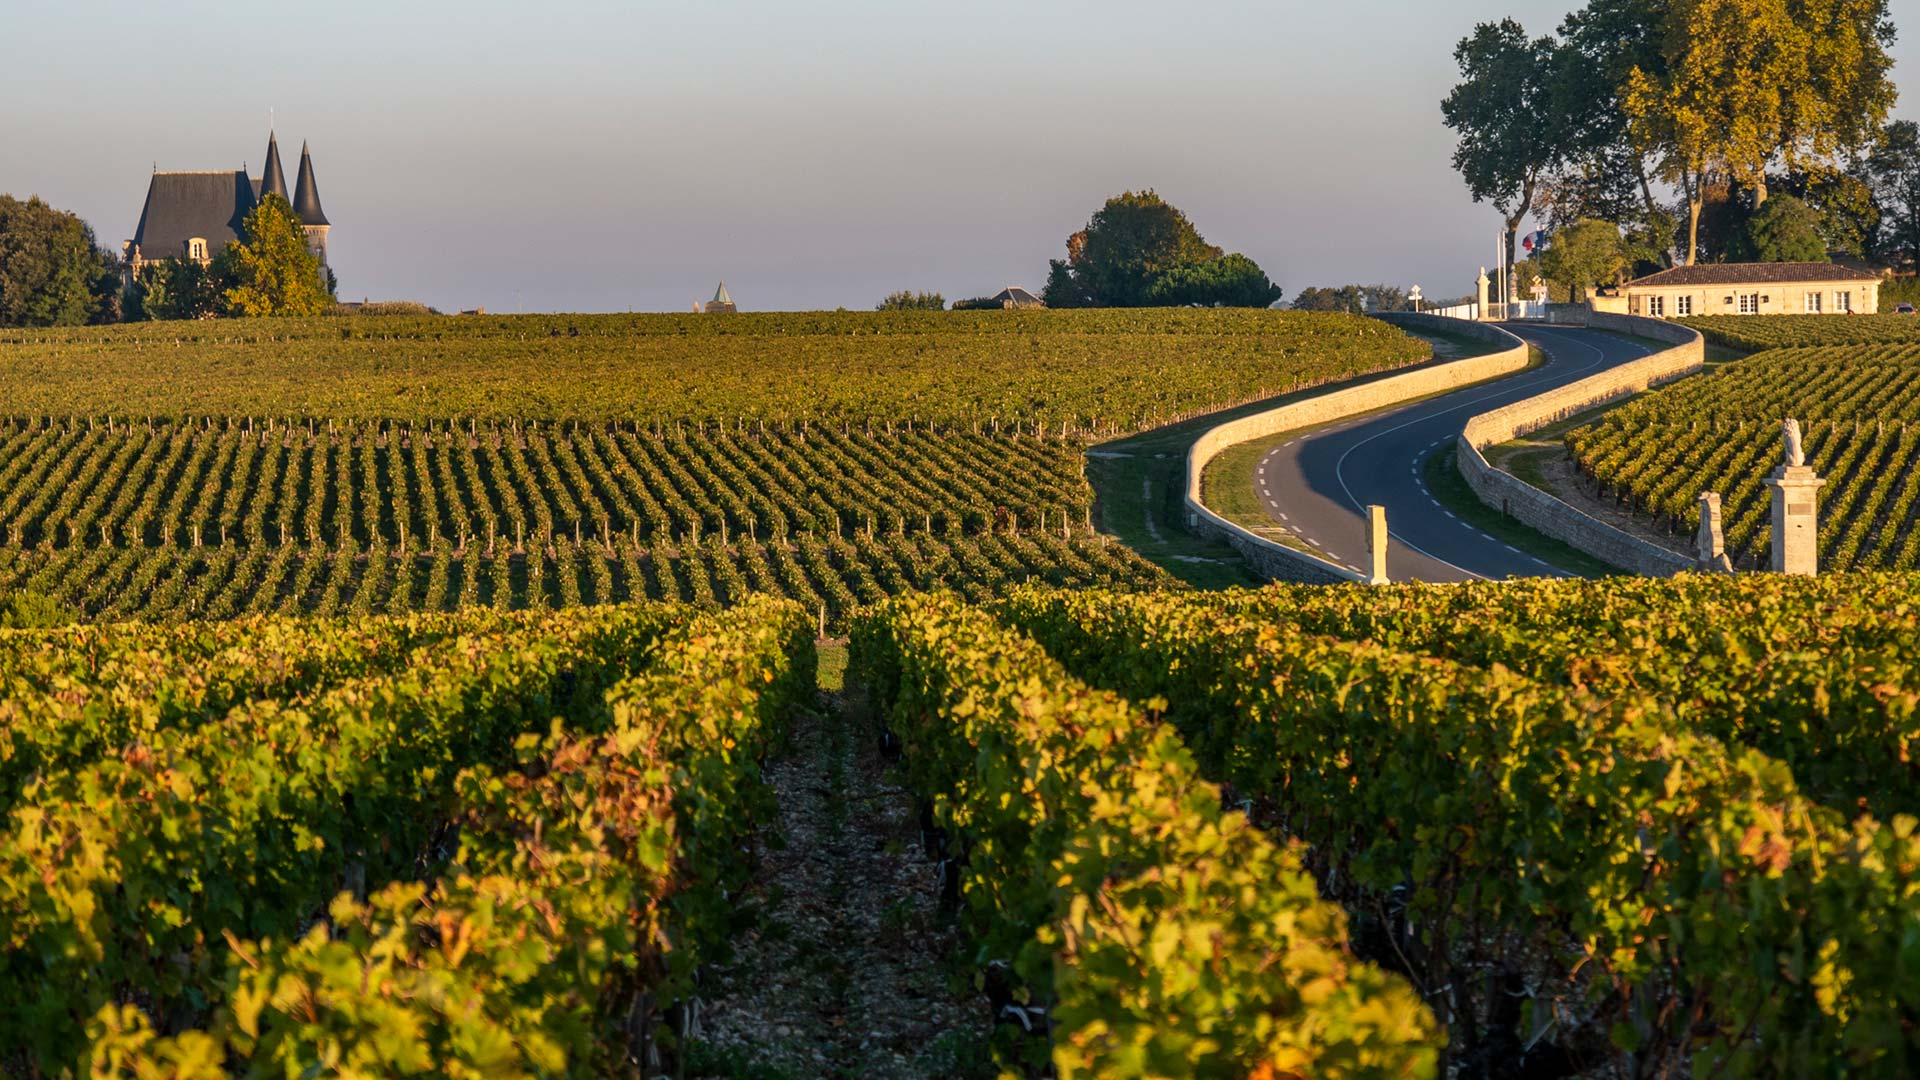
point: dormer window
(197, 249)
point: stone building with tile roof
(193, 215)
(1802, 288)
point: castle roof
(306, 194)
(183, 206)
(721, 296)
(273, 180)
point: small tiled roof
(184, 205)
(1779, 273)
(1014, 294)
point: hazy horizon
(612, 157)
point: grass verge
(1441, 473)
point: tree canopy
(1894, 166)
(270, 270)
(52, 273)
(1743, 85)
(1784, 230)
(1505, 96)
(1722, 102)
(905, 300)
(1356, 299)
(1140, 251)
(1585, 254)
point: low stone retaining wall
(1277, 561)
(1542, 512)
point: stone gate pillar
(1483, 312)
(1710, 545)
(1796, 519)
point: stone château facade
(193, 215)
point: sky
(569, 156)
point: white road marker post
(1377, 545)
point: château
(193, 215)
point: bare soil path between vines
(849, 969)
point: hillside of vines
(1406, 831)
(1104, 371)
(394, 464)
(1620, 828)
(1750, 334)
(1858, 407)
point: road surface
(1318, 485)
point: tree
(1894, 166)
(270, 270)
(1741, 82)
(1784, 230)
(52, 273)
(913, 301)
(1347, 298)
(175, 289)
(1843, 199)
(1841, 88)
(1498, 109)
(1602, 45)
(1229, 281)
(1585, 254)
(1127, 244)
(1140, 251)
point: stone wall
(1542, 512)
(1277, 561)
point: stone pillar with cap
(1796, 519)
(1483, 285)
(1377, 545)
(1710, 544)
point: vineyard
(1628, 827)
(123, 520)
(1749, 334)
(1720, 432)
(373, 465)
(494, 845)
(1598, 828)
(1094, 371)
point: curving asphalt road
(1319, 484)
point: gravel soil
(848, 970)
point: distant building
(1806, 288)
(193, 215)
(1013, 296)
(721, 304)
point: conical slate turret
(306, 194)
(273, 181)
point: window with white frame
(1657, 306)
(1843, 303)
(1813, 301)
(1749, 303)
(197, 249)
(1683, 306)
